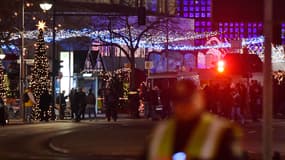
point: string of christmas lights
(2, 85)
(251, 41)
(156, 41)
(68, 33)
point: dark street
(102, 140)
(67, 140)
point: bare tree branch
(106, 43)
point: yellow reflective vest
(202, 144)
(30, 102)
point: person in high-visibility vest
(28, 104)
(193, 134)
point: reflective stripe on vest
(202, 144)
(161, 144)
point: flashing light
(221, 66)
(179, 156)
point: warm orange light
(221, 66)
(41, 25)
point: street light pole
(267, 82)
(53, 60)
(21, 86)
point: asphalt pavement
(89, 145)
(94, 143)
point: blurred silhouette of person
(134, 103)
(45, 102)
(2, 113)
(145, 96)
(193, 133)
(90, 101)
(72, 103)
(29, 104)
(236, 106)
(110, 105)
(255, 95)
(154, 102)
(80, 99)
(62, 104)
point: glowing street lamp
(45, 6)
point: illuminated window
(209, 23)
(202, 26)
(152, 5)
(240, 29)
(283, 32)
(194, 8)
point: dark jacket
(90, 99)
(80, 99)
(45, 100)
(3, 115)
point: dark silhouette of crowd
(3, 115)
(61, 100)
(44, 104)
(235, 101)
(110, 104)
(156, 101)
(79, 102)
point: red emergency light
(221, 66)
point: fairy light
(157, 41)
(158, 37)
(251, 41)
(40, 80)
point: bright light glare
(45, 6)
(221, 66)
(87, 75)
(179, 156)
(41, 25)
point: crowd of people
(76, 105)
(78, 99)
(236, 101)
(79, 102)
(156, 101)
(192, 133)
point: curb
(58, 149)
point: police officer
(192, 133)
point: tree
(40, 80)
(2, 85)
(125, 31)
(126, 34)
(8, 90)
